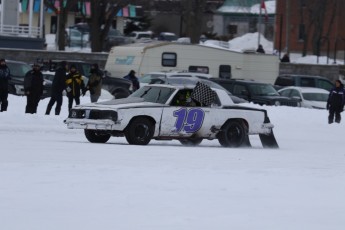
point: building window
(169, 59)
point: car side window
(307, 82)
(295, 93)
(238, 89)
(323, 84)
(285, 93)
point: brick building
(315, 27)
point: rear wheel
(140, 131)
(95, 136)
(191, 142)
(233, 134)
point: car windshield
(263, 90)
(154, 94)
(18, 69)
(315, 97)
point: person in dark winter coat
(5, 75)
(58, 86)
(285, 58)
(335, 103)
(135, 83)
(260, 49)
(33, 88)
(74, 84)
(94, 84)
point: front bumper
(91, 124)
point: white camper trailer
(219, 62)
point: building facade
(310, 27)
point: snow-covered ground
(53, 178)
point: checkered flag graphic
(203, 94)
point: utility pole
(287, 39)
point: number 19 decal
(189, 121)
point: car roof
(182, 73)
(301, 75)
(305, 89)
(13, 61)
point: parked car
(256, 92)
(167, 36)
(313, 98)
(18, 70)
(115, 38)
(136, 36)
(77, 38)
(153, 112)
(184, 78)
(303, 81)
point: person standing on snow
(335, 102)
(58, 86)
(33, 88)
(94, 84)
(5, 75)
(135, 83)
(74, 84)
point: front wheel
(233, 134)
(140, 131)
(95, 136)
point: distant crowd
(66, 78)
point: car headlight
(277, 103)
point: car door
(186, 120)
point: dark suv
(303, 81)
(256, 92)
(118, 87)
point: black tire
(233, 134)
(140, 131)
(95, 136)
(191, 142)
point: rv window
(169, 59)
(198, 69)
(225, 71)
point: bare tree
(319, 26)
(192, 14)
(62, 13)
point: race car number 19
(190, 120)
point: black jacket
(59, 82)
(4, 77)
(33, 82)
(336, 99)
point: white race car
(165, 112)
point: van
(303, 81)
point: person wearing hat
(5, 75)
(74, 84)
(94, 84)
(135, 83)
(58, 86)
(33, 88)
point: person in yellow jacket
(74, 85)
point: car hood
(129, 102)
